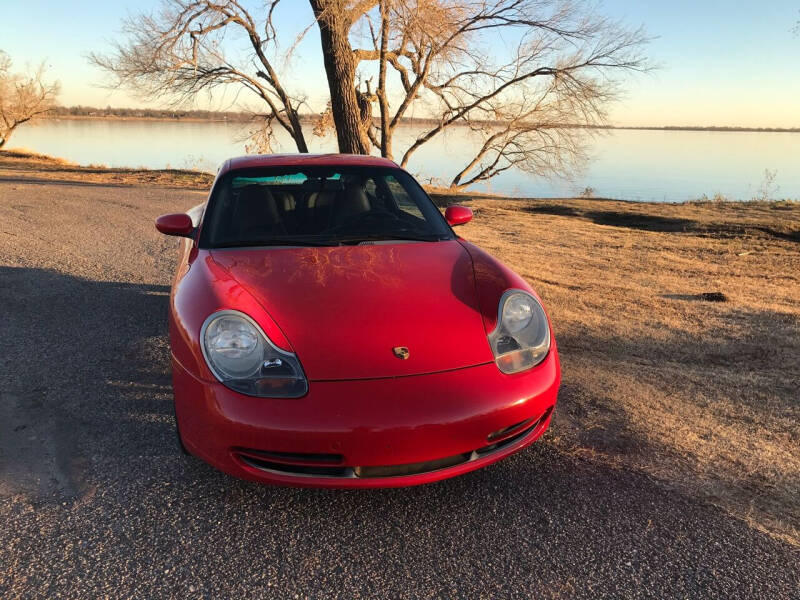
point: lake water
(631, 165)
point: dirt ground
(679, 329)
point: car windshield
(319, 206)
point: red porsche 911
(329, 329)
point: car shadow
(80, 350)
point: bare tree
(23, 97)
(529, 135)
(531, 103)
(182, 50)
(531, 79)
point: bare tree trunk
(383, 101)
(340, 66)
(297, 134)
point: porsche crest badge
(400, 352)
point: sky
(721, 63)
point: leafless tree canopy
(23, 97)
(529, 78)
(179, 52)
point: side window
(402, 199)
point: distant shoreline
(244, 118)
(712, 129)
(46, 166)
(143, 118)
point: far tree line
(315, 118)
(149, 113)
(196, 114)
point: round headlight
(234, 346)
(244, 359)
(517, 312)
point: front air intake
(333, 465)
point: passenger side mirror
(179, 224)
(457, 215)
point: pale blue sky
(721, 63)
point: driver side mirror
(179, 224)
(457, 215)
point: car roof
(293, 160)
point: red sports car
(329, 329)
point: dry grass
(703, 395)
(24, 162)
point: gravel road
(96, 500)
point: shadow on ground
(663, 224)
(77, 345)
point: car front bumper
(386, 432)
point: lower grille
(523, 429)
(325, 465)
(508, 431)
(291, 458)
(307, 470)
(413, 468)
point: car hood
(345, 309)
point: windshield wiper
(272, 242)
(369, 237)
(374, 237)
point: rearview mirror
(175, 224)
(457, 215)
